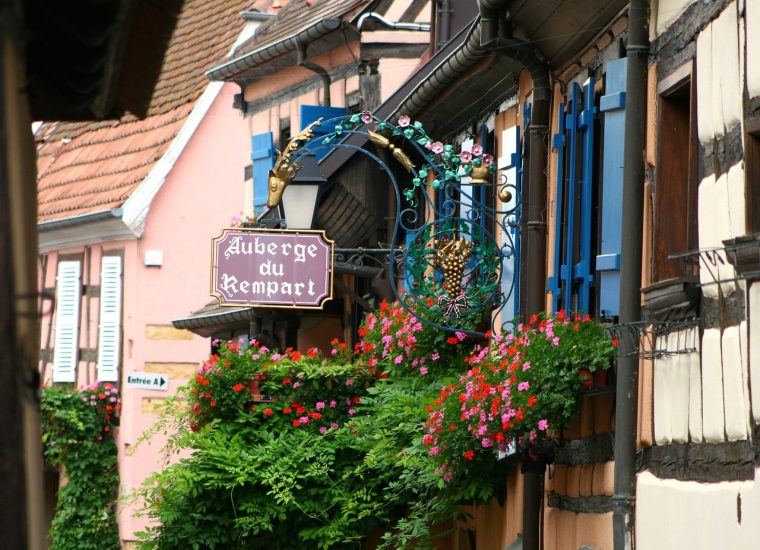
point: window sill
(744, 253)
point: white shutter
(67, 297)
(109, 334)
(508, 163)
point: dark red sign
(272, 267)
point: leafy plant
(516, 390)
(342, 446)
(77, 436)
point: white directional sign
(148, 381)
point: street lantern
(300, 197)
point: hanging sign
(272, 268)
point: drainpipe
(444, 29)
(534, 227)
(623, 499)
(323, 74)
(495, 31)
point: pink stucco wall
(201, 193)
(204, 189)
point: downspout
(495, 32)
(444, 28)
(630, 275)
(323, 74)
(534, 228)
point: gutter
(104, 215)
(623, 498)
(250, 60)
(390, 24)
(257, 15)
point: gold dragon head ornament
(284, 169)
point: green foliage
(339, 449)
(76, 434)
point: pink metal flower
(366, 117)
(487, 160)
(437, 147)
(404, 121)
(465, 156)
(476, 150)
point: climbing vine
(77, 437)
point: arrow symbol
(163, 381)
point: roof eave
(206, 324)
(96, 227)
(229, 70)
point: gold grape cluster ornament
(451, 259)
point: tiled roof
(296, 15)
(86, 167)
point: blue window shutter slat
(558, 143)
(566, 271)
(262, 155)
(582, 270)
(608, 260)
(310, 113)
(612, 102)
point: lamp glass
(299, 201)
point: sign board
(148, 381)
(272, 268)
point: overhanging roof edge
(226, 71)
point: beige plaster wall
(696, 516)
(752, 21)
(753, 351)
(664, 12)
(719, 90)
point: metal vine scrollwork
(456, 219)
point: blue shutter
(574, 201)
(310, 113)
(582, 270)
(262, 155)
(612, 104)
(554, 284)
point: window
(109, 332)
(509, 162)
(285, 133)
(67, 299)
(588, 196)
(571, 283)
(676, 182)
(752, 173)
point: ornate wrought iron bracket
(643, 339)
(456, 220)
